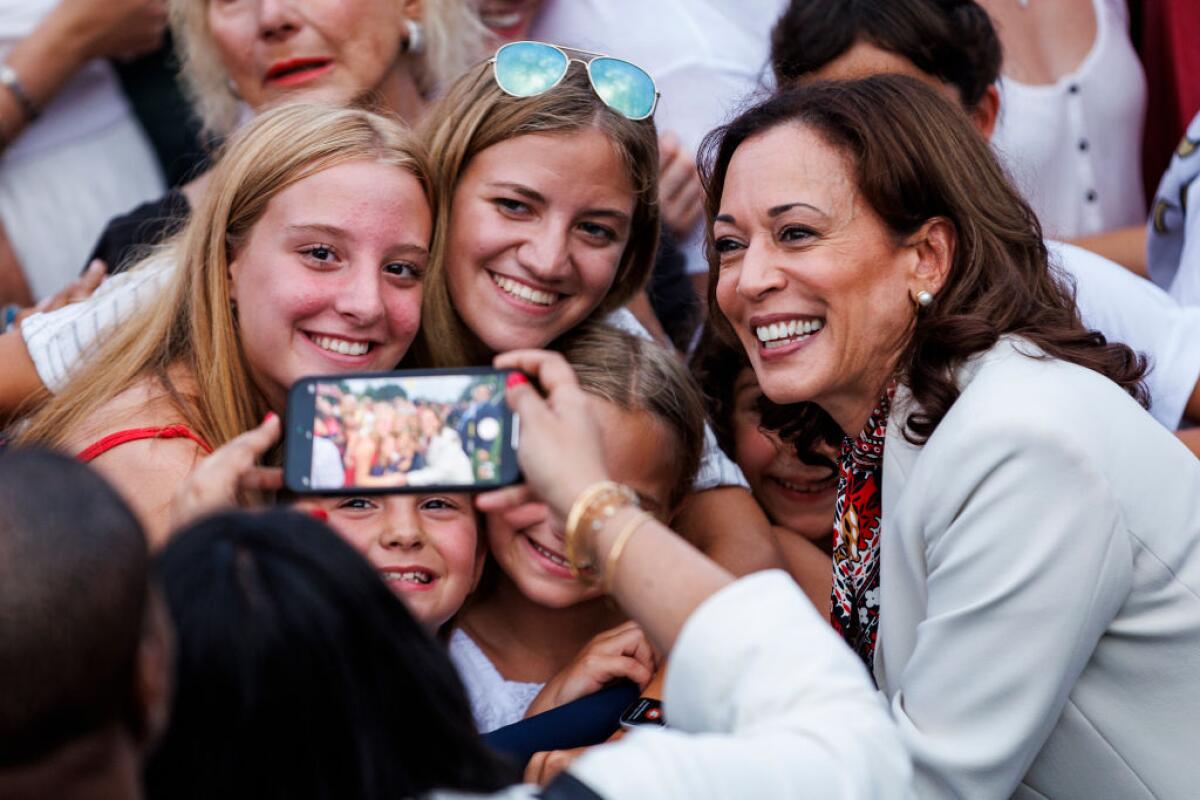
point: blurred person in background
(71, 151)
(1072, 108)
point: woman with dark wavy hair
(1004, 501)
(953, 46)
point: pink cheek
(300, 297)
(499, 540)
(458, 550)
(754, 452)
(404, 312)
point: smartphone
(645, 711)
(447, 430)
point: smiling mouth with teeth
(778, 334)
(808, 487)
(501, 21)
(343, 347)
(417, 576)
(553, 557)
(549, 554)
(523, 292)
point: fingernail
(515, 379)
(270, 416)
(319, 514)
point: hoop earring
(415, 43)
(924, 299)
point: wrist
(592, 508)
(10, 317)
(66, 36)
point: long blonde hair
(193, 325)
(474, 115)
(454, 40)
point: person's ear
(934, 246)
(413, 11)
(987, 111)
(480, 560)
(230, 271)
(154, 676)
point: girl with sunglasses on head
(551, 202)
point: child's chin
(567, 597)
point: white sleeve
(1026, 565)
(1133, 311)
(447, 464)
(58, 340)
(764, 701)
(716, 468)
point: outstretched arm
(763, 698)
(72, 34)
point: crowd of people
(361, 440)
(857, 377)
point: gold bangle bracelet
(581, 505)
(582, 512)
(618, 547)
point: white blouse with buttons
(1074, 147)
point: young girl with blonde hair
(286, 269)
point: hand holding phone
(561, 450)
(222, 478)
(420, 430)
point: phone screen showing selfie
(401, 431)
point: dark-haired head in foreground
(301, 675)
(84, 660)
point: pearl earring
(415, 43)
(924, 298)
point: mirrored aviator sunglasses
(527, 69)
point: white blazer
(1040, 590)
(764, 703)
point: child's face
(638, 452)
(424, 545)
(794, 495)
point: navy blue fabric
(581, 723)
(567, 787)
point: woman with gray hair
(397, 52)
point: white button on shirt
(1074, 147)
